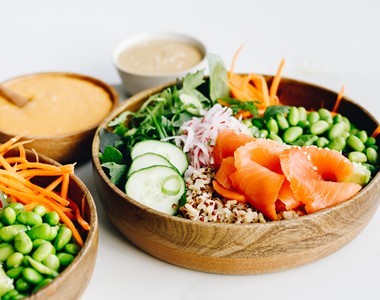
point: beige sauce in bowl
(160, 57)
(58, 104)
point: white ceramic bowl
(134, 81)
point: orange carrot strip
(33, 172)
(54, 184)
(276, 79)
(376, 132)
(78, 216)
(338, 99)
(235, 58)
(9, 143)
(14, 160)
(65, 186)
(5, 164)
(22, 152)
(226, 193)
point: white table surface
(330, 43)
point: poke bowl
(190, 234)
(49, 248)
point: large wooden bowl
(243, 248)
(69, 147)
(71, 283)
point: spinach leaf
(218, 78)
(117, 172)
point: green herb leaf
(111, 154)
(237, 105)
(117, 172)
(218, 78)
(271, 111)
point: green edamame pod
(52, 218)
(372, 155)
(23, 243)
(337, 144)
(22, 285)
(15, 260)
(43, 251)
(282, 122)
(8, 216)
(41, 268)
(72, 248)
(292, 133)
(319, 127)
(8, 233)
(63, 237)
(293, 116)
(6, 250)
(29, 218)
(302, 113)
(272, 126)
(39, 210)
(31, 275)
(52, 262)
(355, 143)
(313, 117)
(356, 156)
(336, 130)
(65, 259)
(44, 282)
(15, 272)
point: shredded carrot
(376, 132)
(17, 173)
(276, 80)
(235, 58)
(338, 99)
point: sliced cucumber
(148, 160)
(159, 187)
(172, 153)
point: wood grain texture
(72, 147)
(72, 282)
(242, 248)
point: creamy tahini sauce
(160, 57)
(59, 104)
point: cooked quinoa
(204, 206)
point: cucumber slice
(172, 153)
(148, 160)
(159, 187)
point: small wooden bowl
(70, 147)
(243, 248)
(71, 283)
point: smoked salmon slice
(227, 167)
(227, 142)
(316, 175)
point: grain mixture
(203, 205)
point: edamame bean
(264, 133)
(322, 142)
(17, 206)
(319, 127)
(355, 143)
(63, 237)
(274, 136)
(302, 113)
(15, 272)
(362, 135)
(312, 139)
(52, 218)
(23, 243)
(53, 232)
(258, 122)
(354, 131)
(38, 242)
(337, 144)
(41, 268)
(52, 262)
(22, 285)
(65, 259)
(43, 251)
(313, 117)
(372, 155)
(338, 118)
(324, 114)
(40, 210)
(40, 232)
(356, 156)
(272, 126)
(72, 248)
(8, 233)
(336, 130)
(282, 122)
(370, 141)
(44, 282)
(293, 116)
(346, 121)
(8, 216)
(15, 260)
(31, 275)
(304, 124)
(29, 218)
(6, 250)
(10, 295)
(291, 134)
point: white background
(330, 43)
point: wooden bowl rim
(375, 182)
(112, 94)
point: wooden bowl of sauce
(61, 116)
(149, 59)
